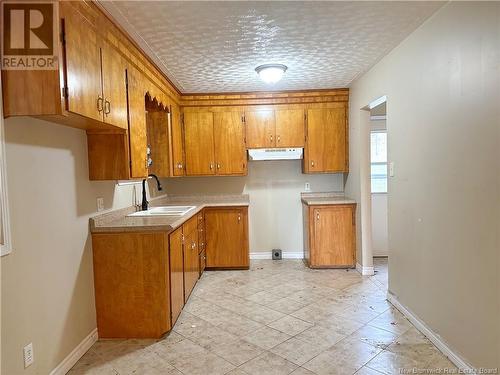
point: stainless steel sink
(165, 211)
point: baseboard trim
(284, 255)
(365, 271)
(77, 353)
(432, 336)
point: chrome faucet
(144, 200)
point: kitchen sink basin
(165, 211)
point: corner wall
(443, 120)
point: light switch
(391, 169)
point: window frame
(386, 163)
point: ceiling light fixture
(271, 73)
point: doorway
(378, 190)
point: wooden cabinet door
(226, 238)
(83, 67)
(191, 263)
(260, 129)
(137, 124)
(333, 236)
(326, 145)
(290, 128)
(230, 153)
(177, 142)
(176, 274)
(199, 143)
(114, 87)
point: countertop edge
(110, 228)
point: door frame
(365, 264)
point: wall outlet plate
(28, 355)
(391, 169)
(307, 186)
(100, 204)
(277, 254)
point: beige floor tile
(302, 371)
(297, 351)
(375, 336)
(367, 371)
(342, 325)
(268, 364)
(262, 298)
(390, 363)
(392, 320)
(237, 352)
(240, 326)
(266, 337)
(312, 313)
(345, 357)
(202, 363)
(320, 336)
(414, 345)
(290, 325)
(286, 305)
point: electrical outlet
(100, 204)
(307, 186)
(28, 355)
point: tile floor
(279, 317)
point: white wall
(47, 282)
(379, 225)
(443, 120)
(275, 213)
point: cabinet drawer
(190, 226)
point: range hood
(275, 153)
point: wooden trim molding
(263, 98)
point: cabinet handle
(239, 218)
(179, 165)
(218, 166)
(99, 103)
(312, 163)
(271, 139)
(211, 166)
(317, 216)
(278, 138)
(193, 245)
(107, 107)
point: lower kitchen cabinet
(330, 236)
(132, 286)
(176, 274)
(226, 233)
(191, 263)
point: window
(378, 157)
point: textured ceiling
(215, 46)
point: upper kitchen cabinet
(82, 67)
(326, 149)
(290, 127)
(280, 127)
(230, 153)
(214, 143)
(114, 89)
(86, 90)
(199, 143)
(260, 128)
